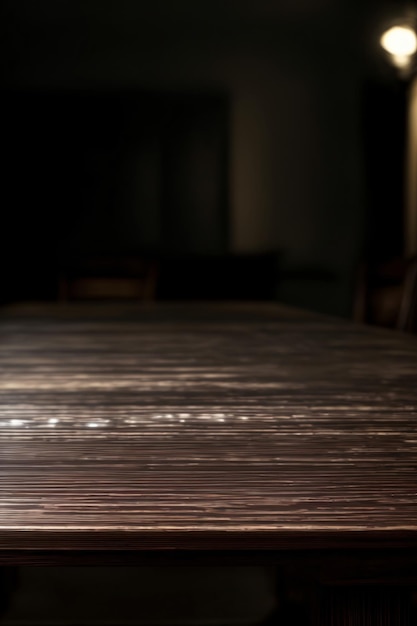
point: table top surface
(176, 427)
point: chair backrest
(407, 316)
(378, 292)
(107, 279)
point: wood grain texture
(220, 427)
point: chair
(386, 294)
(407, 317)
(109, 279)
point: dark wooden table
(250, 433)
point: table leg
(9, 578)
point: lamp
(400, 44)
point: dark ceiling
(32, 32)
(131, 18)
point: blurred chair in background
(386, 294)
(109, 279)
(407, 317)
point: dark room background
(264, 130)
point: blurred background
(200, 150)
(216, 149)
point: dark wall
(293, 74)
(117, 174)
(384, 114)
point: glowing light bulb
(401, 43)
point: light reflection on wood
(229, 421)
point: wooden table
(241, 434)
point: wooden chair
(110, 279)
(407, 317)
(386, 294)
